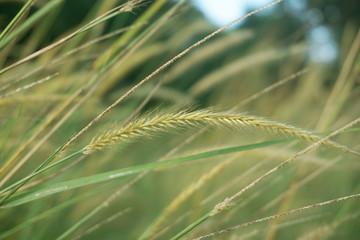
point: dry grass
(121, 60)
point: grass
(98, 139)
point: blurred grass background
(221, 73)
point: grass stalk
(330, 111)
(99, 225)
(164, 66)
(183, 196)
(153, 9)
(27, 24)
(15, 19)
(63, 119)
(280, 215)
(192, 226)
(104, 17)
(229, 201)
(192, 63)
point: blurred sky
(322, 46)
(222, 12)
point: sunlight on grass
(179, 119)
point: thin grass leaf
(228, 202)
(14, 187)
(15, 19)
(104, 17)
(46, 214)
(97, 178)
(109, 54)
(100, 224)
(278, 215)
(29, 23)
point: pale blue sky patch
(322, 46)
(221, 12)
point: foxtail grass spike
(153, 124)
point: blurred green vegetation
(223, 73)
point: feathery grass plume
(229, 200)
(151, 124)
(107, 203)
(164, 66)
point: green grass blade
(44, 215)
(191, 226)
(40, 169)
(105, 61)
(15, 19)
(79, 223)
(105, 57)
(61, 41)
(85, 181)
(54, 210)
(14, 187)
(29, 22)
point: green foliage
(97, 139)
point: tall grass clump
(98, 139)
